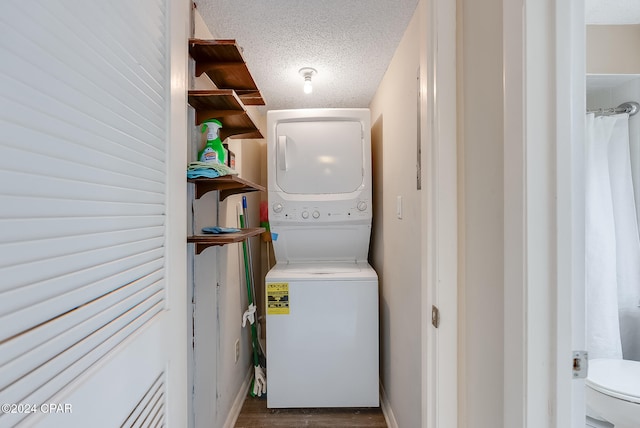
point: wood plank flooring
(254, 414)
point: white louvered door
(88, 264)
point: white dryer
(322, 295)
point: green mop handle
(246, 224)
(247, 274)
(253, 280)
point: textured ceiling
(616, 12)
(349, 42)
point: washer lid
(617, 378)
(322, 271)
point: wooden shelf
(203, 242)
(224, 105)
(222, 61)
(227, 185)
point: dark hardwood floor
(254, 414)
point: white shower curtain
(612, 241)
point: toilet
(613, 392)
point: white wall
(395, 251)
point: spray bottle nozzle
(211, 126)
(213, 150)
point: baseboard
(235, 410)
(386, 409)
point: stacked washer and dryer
(322, 295)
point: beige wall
(395, 252)
(613, 49)
(481, 247)
(396, 247)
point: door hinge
(580, 364)
(435, 316)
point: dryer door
(319, 157)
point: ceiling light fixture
(307, 73)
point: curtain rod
(630, 107)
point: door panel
(88, 261)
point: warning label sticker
(278, 298)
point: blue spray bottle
(213, 150)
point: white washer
(322, 296)
(322, 349)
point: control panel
(319, 211)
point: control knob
(277, 207)
(362, 205)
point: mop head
(259, 383)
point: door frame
(544, 100)
(544, 56)
(176, 233)
(439, 224)
(571, 108)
